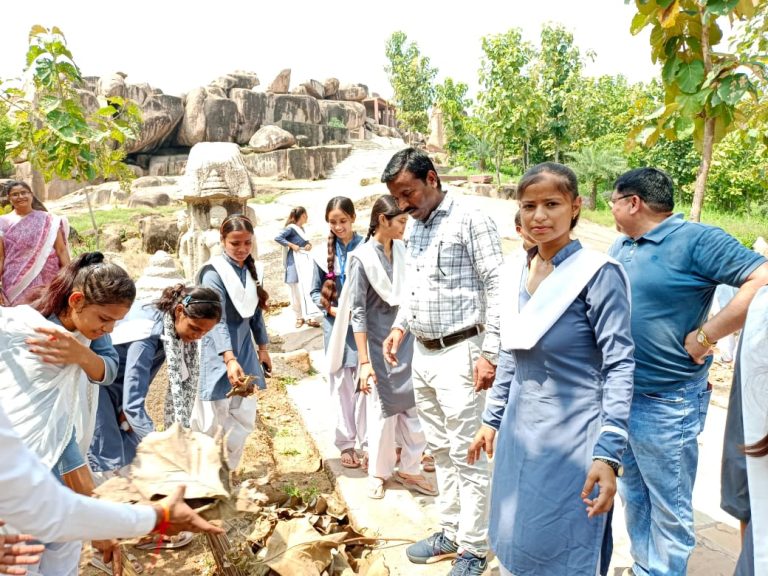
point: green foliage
(559, 73)
(451, 99)
(62, 132)
(705, 89)
(509, 106)
(596, 165)
(336, 123)
(124, 218)
(411, 77)
(7, 135)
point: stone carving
(270, 138)
(160, 274)
(281, 83)
(215, 184)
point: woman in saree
(33, 247)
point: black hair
(295, 214)
(197, 302)
(102, 283)
(565, 180)
(239, 223)
(385, 206)
(412, 160)
(328, 291)
(652, 185)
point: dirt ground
(279, 450)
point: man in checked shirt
(451, 305)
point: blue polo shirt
(673, 271)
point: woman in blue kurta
(151, 334)
(564, 427)
(230, 365)
(341, 352)
(298, 266)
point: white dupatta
(44, 402)
(304, 270)
(389, 291)
(244, 298)
(522, 329)
(754, 390)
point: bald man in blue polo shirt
(674, 267)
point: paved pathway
(401, 514)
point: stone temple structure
(215, 185)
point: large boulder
(158, 233)
(330, 87)
(221, 120)
(161, 113)
(192, 128)
(300, 90)
(351, 114)
(270, 138)
(148, 199)
(281, 83)
(251, 112)
(237, 79)
(296, 109)
(314, 88)
(352, 92)
(112, 85)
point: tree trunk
(593, 196)
(526, 155)
(557, 150)
(706, 161)
(498, 166)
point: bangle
(165, 523)
(230, 360)
(366, 362)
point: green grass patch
(745, 228)
(291, 452)
(128, 217)
(263, 199)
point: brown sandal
(313, 323)
(299, 323)
(428, 463)
(349, 458)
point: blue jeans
(659, 471)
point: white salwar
(301, 301)
(235, 416)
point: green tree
(451, 99)
(595, 164)
(705, 89)
(559, 68)
(411, 77)
(53, 129)
(7, 135)
(509, 106)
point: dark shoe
(435, 546)
(467, 564)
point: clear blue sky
(177, 46)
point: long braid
(328, 292)
(262, 294)
(371, 232)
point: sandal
(299, 323)
(376, 488)
(417, 483)
(313, 323)
(99, 564)
(428, 463)
(349, 458)
(166, 542)
(364, 462)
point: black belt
(451, 339)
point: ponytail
(262, 294)
(758, 449)
(295, 214)
(101, 283)
(198, 302)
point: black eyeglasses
(611, 203)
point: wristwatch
(701, 338)
(617, 468)
(492, 358)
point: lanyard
(341, 255)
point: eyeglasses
(19, 194)
(613, 201)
